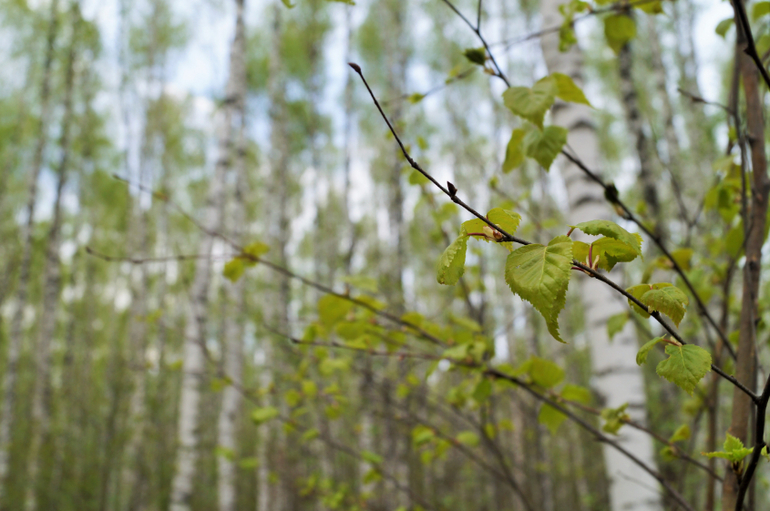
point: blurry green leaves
(542, 144)
(619, 29)
(540, 275)
(477, 56)
(451, 264)
(614, 418)
(733, 450)
(248, 257)
(551, 417)
(612, 230)
(662, 297)
(686, 366)
(264, 414)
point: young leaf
(685, 366)
(544, 146)
(476, 55)
(234, 269)
(531, 104)
(682, 433)
(734, 451)
(576, 393)
(332, 309)
(760, 9)
(540, 275)
(544, 372)
(611, 230)
(256, 249)
(641, 356)
(550, 417)
(451, 264)
(264, 414)
(615, 324)
(507, 220)
(568, 90)
(612, 251)
(619, 29)
(614, 418)
(468, 438)
(724, 25)
(668, 299)
(514, 152)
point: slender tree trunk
(755, 234)
(41, 397)
(17, 331)
(617, 378)
(232, 341)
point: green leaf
(568, 90)
(362, 282)
(234, 269)
(451, 264)
(506, 219)
(734, 451)
(415, 97)
(760, 9)
(256, 249)
(724, 25)
(475, 225)
(249, 463)
(651, 7)
(288, 4)
(544, 372)
(668, 299)
(641, 356)
(544, 146)
(682, 433)
(514, 152)
(531, 104)
(476, 55)
(468, 438)
(540, 275)
(264, 414)
(619, 29)
(614, 418)
(373, 458)
(682, 256)
(576, 393)
(482, 391)
(332, 309)
(416, 178)
(637, 292)
(686, 366)
(611, 230)
(615, 324)
(421, 435)
(310, 434)
(550, 417)
(612, 251)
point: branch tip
(452, 189)
(355, 67)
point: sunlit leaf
(685, 366)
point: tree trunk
(232, 342)
(617, 378)
(41, 397)
(17, 331)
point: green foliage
(733, 450)
(544, 373)
(612, 230)
(682, 433)
(614, 418)
(685, 366)
(468, 438)
(568, 90)
(514, 152)
(662, 297)
(641, 356)
(451, 264)
(264, 414)
(531, 103)
(477, 56)
(759, 10)
(618, 30)
(540, 275)
(615, 324)
(544, 146)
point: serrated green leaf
(668, 299)
(468, 438)
(531, 104)
(615, 324)
(506, 219)
(451, 264)
(686, 366)
(637, 292)
(514, 151)
(682, 433)
(612, 251)
(724, 25)
(264, 414)
(611, 230)
(550, 417)
(544, 372)
(619, 29)
(234, 269)
(544, 146)
(540, 275)
(568, 90)
(644, 351)
(476, 55)
(734, 450)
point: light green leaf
(611, 230)
(550, 417)
(576, 393)
(514, 152)
(451, 264)
(264, 414)
(568, 90)
(249, 463)
(256, 249)
(734, 451)
(682, 256)
(416, 178)
(615, 324)
(468, 438)
(482, 391)
(332, 309)
(415, 97)
(371, 457)
(724, 25)
(686, 366)
(540, 275)
(531, 104)
(760, 9)
(475, 225)
(651, 7)
(234, 269)
(614, 418)
(637, 292)
(682, 433)
(507, 220)
(612, 251)
(421, 435)
(544, 372)
(362, 282)
(644, 351)
(544, 146)
(310, 434)
(619, 29)
(668, 299)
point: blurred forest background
(145, 368)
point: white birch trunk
(617, 378)
(17, 332)
(233, 330)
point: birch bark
(617, 378)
